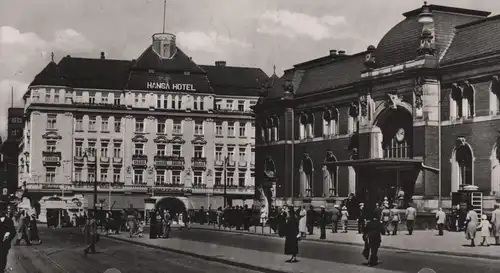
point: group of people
(487, 228)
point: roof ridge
(477, 22)
(454, 34)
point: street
(61, 251)
(403, 261)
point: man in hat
(373, 238)
(361, 218)
(90, 232)
(323, 219)
(310, 219)
(411, 215)
(7, 234)
(335, 218)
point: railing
(117, 160)
(175, 161)
(242, 164)
(104, 159)
(51, 157)
(199, 162)
(141, 160)
(160, 160)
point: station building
(418, 113)
(159, 126)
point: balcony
(231, 163)
(169, 188)
(234, 189)
(104, 159)
(51, 158)
(139, 160)
(78, 159)
(175, 162)
(48, 187)
(219, 163)
(199, 162)
(139, 187)
(242, 164)
(89, 185)
(161, 161)
(91, 159)
(117, 160)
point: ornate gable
(51, 135)
(199, 140)
(139, 138)
(161, 139)
(177, 140)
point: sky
(258, 33)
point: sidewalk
(452, 243)
(245, 258)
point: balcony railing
(104, 159)
(161, 161)
(140, 160)
(219, 162)
(242, 164)
(78, 159)
(175, 162)
(199, 162)
(51, 158)
(117, 160)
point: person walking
(167, 218)
(303, 222)
(335, 218)
(311, 218)
(91, 235)
(485, 228)
(292, 236)
(395, 219)
(323, 219)
(7, 233)
(344, 218)
(373, 239)
(471, 226)
(33, 231)
(410, 216)
(22, 229)
(361, 218)
(495, 221)
(386, 219)
(440, 220)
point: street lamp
(90, 152)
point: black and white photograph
(246, 136)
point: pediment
(161, 139)
(177, 140)
(139, 138)
(199, 140)
(51, 135)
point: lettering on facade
(169, 86)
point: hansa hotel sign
(166, 84)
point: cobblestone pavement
(452, 243)
(267, 252)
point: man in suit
(90, 232)
(373, 238)
(495, 221)
(22, 229)
(7, 234)
(440, 220)
(335, 218)
(411, 215)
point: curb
(447, 253)
(199, 256)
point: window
(50, 175)
(252, 103)
(241, 179)
(176, 177)
(104, 175)
(92, 123)
(51, 146)
(241, 105)
(202, 106)
(195, 103)
(218, 129)
(177, 150)
(116, 175)
(242, 155)
(47, 96)
(161, 149)
(78, 174)
(143, 100)
(218, 153)
(78, 97)
(161, 127)
(218, 178)
(91, 98)
(118, 125)
(79, 148)
(230, 129)
(104, 124)
(51, 121)
(117, 100)
(173, 102)
(229, 105)
(198, 151)
(218, 104)
(36, 96)
(177, 127)
(242, 130)
(230, 153)
(230, 178)
(179, 103)
(92, 149)
(56, 97)
(160, 177)
(139, 149)
(198, 128)
(104, 98)
(78, 124)
(104, 149)
(117, 150)
(198, 178)
(91, 175)
(165, 102)
(252, 160)
(138, 176)
(139, 126)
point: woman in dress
(33, 231)
(344, 218)
(291, 236)
(302, 222)
(471, 226)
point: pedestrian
(386, 219)
(311, 218)
(361, 218)
(377, 210)
(323, 219)
(344, 218)
(167, 218)
(33, 231)
(395, 219)
(263, 215)
(335, 218)
(441, 220)
(495, 221)
(485, 228)
(471, 226)
(303, 222)
(91, 235)
(410, 216)
(292, 236)
(22, 229)
(373, 239)
(7, 233)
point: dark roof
(50, 75)
(231, 80)
(137, 80)
(400, 44)
(337, 73)
(275, 84)
(180, 62)
(474, 39)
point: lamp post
(226, 159)
(90, 152)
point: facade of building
(158, 126)
(419, 113)
(10, 148)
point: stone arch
(390, 121)
(382, 111)
(269, 167)
(462, 165)
(495, 169)
(175, 204)
(306, 176)
(330, 176)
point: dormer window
(187, 73)
(151, 71)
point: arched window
(306, 176)
(468, 101)
(462, 165)
(274, 128)
(302, 125)
(495, 96)
(462, 101)
(330, 122)
(495, 169)
(353, 114)
(330, 175)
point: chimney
(220, 63)
(102, 55)
(333, 52)
(341, 52)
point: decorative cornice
(161, 139)
(139, 138)
(199, 140)
(51, 135)
(68, 114)
(177, 140)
